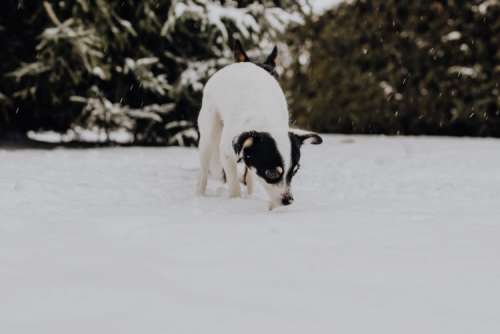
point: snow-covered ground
(387, 235)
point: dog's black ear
(239, 54)
(271, 59)
(305, 137)
(246, 139)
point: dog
(244, 118)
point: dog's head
(269, 64)
(275, 159)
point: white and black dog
(244, 118)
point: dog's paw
(235, 194)
(273, 205)
(234, 191)
(220, 191)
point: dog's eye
(272, 174)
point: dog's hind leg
(210, 128)
(215, 168)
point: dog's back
(246, 97)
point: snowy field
(387, 235)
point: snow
(387, 235)
(244, 19)
(465, 71)
(197, 71)
(84, 135)
(485, 6)
(320, 6)
(452, 36)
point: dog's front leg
(231, 170)
(249, 181)
(203, 177)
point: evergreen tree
(410, 67)
(123, 64)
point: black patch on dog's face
(262, 155)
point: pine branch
(51, 14)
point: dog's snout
(287, 199)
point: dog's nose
(287, 200)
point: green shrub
(399, 67)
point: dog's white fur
(241, 97)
